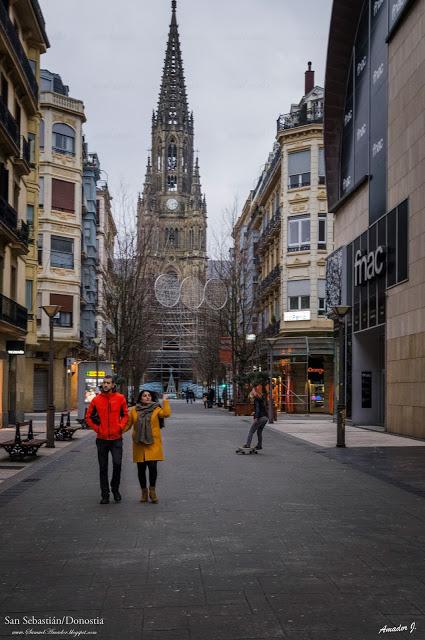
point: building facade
(106, 232)
(375, 155)
(22, 40)
(89, 251)
(59, 240)
(293, 236)
(172, 215)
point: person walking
(260, 420)
(187, 395)
(211, 397)
(107, 415)
(146, 418)
(205, 399)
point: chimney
(309, 79)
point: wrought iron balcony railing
(10, 31)
(13, 313)
(8, 121)
(300, 118)
(270, 279)
(9, 218)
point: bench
(64, 431)
(18, 448)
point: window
(31, 142)
(29, 287)
(172, 156)
(41, 194)
(322, 173)
(64, 317)
(63, 139)
(298, 169)
(63, 195)
(321, 292)
(40, 249)
(299, 302)
(321, 309)
(321, 234)
(299, 233)
(30, 214)
(172, 183)
(62, 252)
(41, 134)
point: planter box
(243, 409)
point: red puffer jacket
(108, 415)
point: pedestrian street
(300, 541)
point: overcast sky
(244, 64)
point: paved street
(300, 541)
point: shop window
(62, 252)
(299, 233)
(299, 169)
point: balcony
(8, 31)
(271, 280)
(13, 313)
(16, 232)
(271, 330)
(22, 162)
(300, 118)
(9, 133)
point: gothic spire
(172, 104)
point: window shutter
(66, 302)
(298, 288)
(299, 162)
(63, 195)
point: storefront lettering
(318, 370)
(368, 265)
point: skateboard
(244, 451)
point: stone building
(22, 39)
(106, 232)
(375, 159)
(172, 213)
(58, 241)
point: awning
(302, 346)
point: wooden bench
(64, 431)
(18, 448)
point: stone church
(172, 216)
(172, 205)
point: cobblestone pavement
(296, 542)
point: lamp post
(51, 310)
(340, 311)
(97, 342)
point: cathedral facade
(172, 212)
(172, 217)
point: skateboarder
(260, 420)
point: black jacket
(260, 410)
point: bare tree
(238, 318)
(129, 299)
(207, 364)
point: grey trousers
(257, 426)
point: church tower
(172, 208)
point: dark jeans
(257, 426)
(153, 473)
(103, 449)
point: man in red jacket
(108, 415)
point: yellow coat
(154, 451)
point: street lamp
(51, 310)
(97, 342)
(340, 311)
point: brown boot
(152, 494)
(144, 497)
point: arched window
(172, 183)
(159, 156)
(63, 138)
(172, 156)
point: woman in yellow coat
(147, 442)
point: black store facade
(360, 273)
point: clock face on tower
(172, 204)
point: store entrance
(368, 377)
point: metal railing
(8, 121)
(13, 313)
(10, 31)
(300, 118)
(270, 279)
(8, 215)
